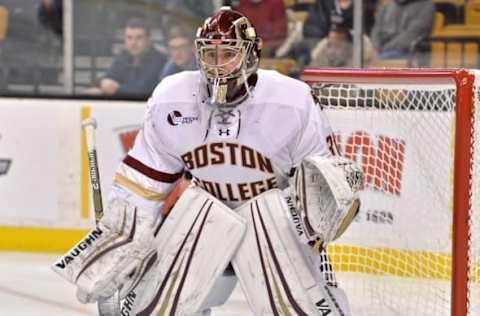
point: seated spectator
(398, 24)
(165, 13)
(135, 70)
(294, 36)
(30, 54)
(316, 26)
(270, 20)
(318, 23)
(336, 50)
(180, 51)
(50, 15)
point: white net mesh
(396, 258)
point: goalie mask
(228, 51)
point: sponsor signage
(407, 191)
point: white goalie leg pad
(194, 245)
(326, 194)
(111, 256)
(276, 275)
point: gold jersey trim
(138, 189)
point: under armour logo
(223, 132)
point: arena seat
(3, 22)
(282, 65)
(3, 34)
(472, 13)
(388, 63)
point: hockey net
(414, 249)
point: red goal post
(412, 131)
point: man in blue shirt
(180, 51)
(134, 71)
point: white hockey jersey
(233, 154)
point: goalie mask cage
(414, 248)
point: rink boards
(45, 202)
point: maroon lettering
(230, 195)
(257, 187)
(201, 158)
(218, 157)
(243, 190)
(264, 163)
(216, 154)
(232, 147)
(271, 183)
(248, 157)
(188, 160)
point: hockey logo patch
(175, 118)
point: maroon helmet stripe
(149, 172)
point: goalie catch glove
(112, 256)
(324, 198)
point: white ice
(29, 287)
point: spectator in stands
(29, 53)
(135, 70)
(164, 13)
(270, 20)
(398, 24)
(318, 23)
(180, 51)
(192, 8)
(50, 15)
(336, 50)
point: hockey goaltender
(266, 192)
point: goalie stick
(111, 305)
(89, 126)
